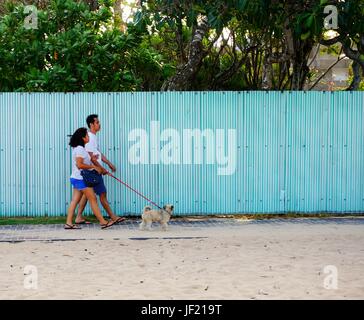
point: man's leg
(90, 194)
(105, 204)
(81, 208)
(100, 190)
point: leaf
(242, 4)
(306, 35)
(309, 21)
(198, 8)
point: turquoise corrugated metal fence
(294, 151)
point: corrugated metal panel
(134, 111)
(263, 130)
(295, 151)
(346, 165)
(307, 151)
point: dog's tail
(147, 208)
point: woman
(81, 161)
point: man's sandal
(119, 220)
(107, 225)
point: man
(92, 147)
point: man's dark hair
(76, 139)
(91, 119)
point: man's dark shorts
(100, 188)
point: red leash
(126, 185)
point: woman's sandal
(107, 225)
(71, 227)
(83, 222)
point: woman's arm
(80, 165)
(94, 160)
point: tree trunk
(117, 8)
(357, 77)
(298, 50)
(299, 60)
(268, 72)
(267, 76)
(181, 81)
(118, 15)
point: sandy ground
(251, 261)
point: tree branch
(325, 73)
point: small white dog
(162, 216)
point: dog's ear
(164, 207)
(172, 207)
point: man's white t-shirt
(93, 146)
(79, 152)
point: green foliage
(335, 50)
(361, 85)
(73, 49)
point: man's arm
(105, 160)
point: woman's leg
(76, 196)
(81, 207)
(91, 197)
